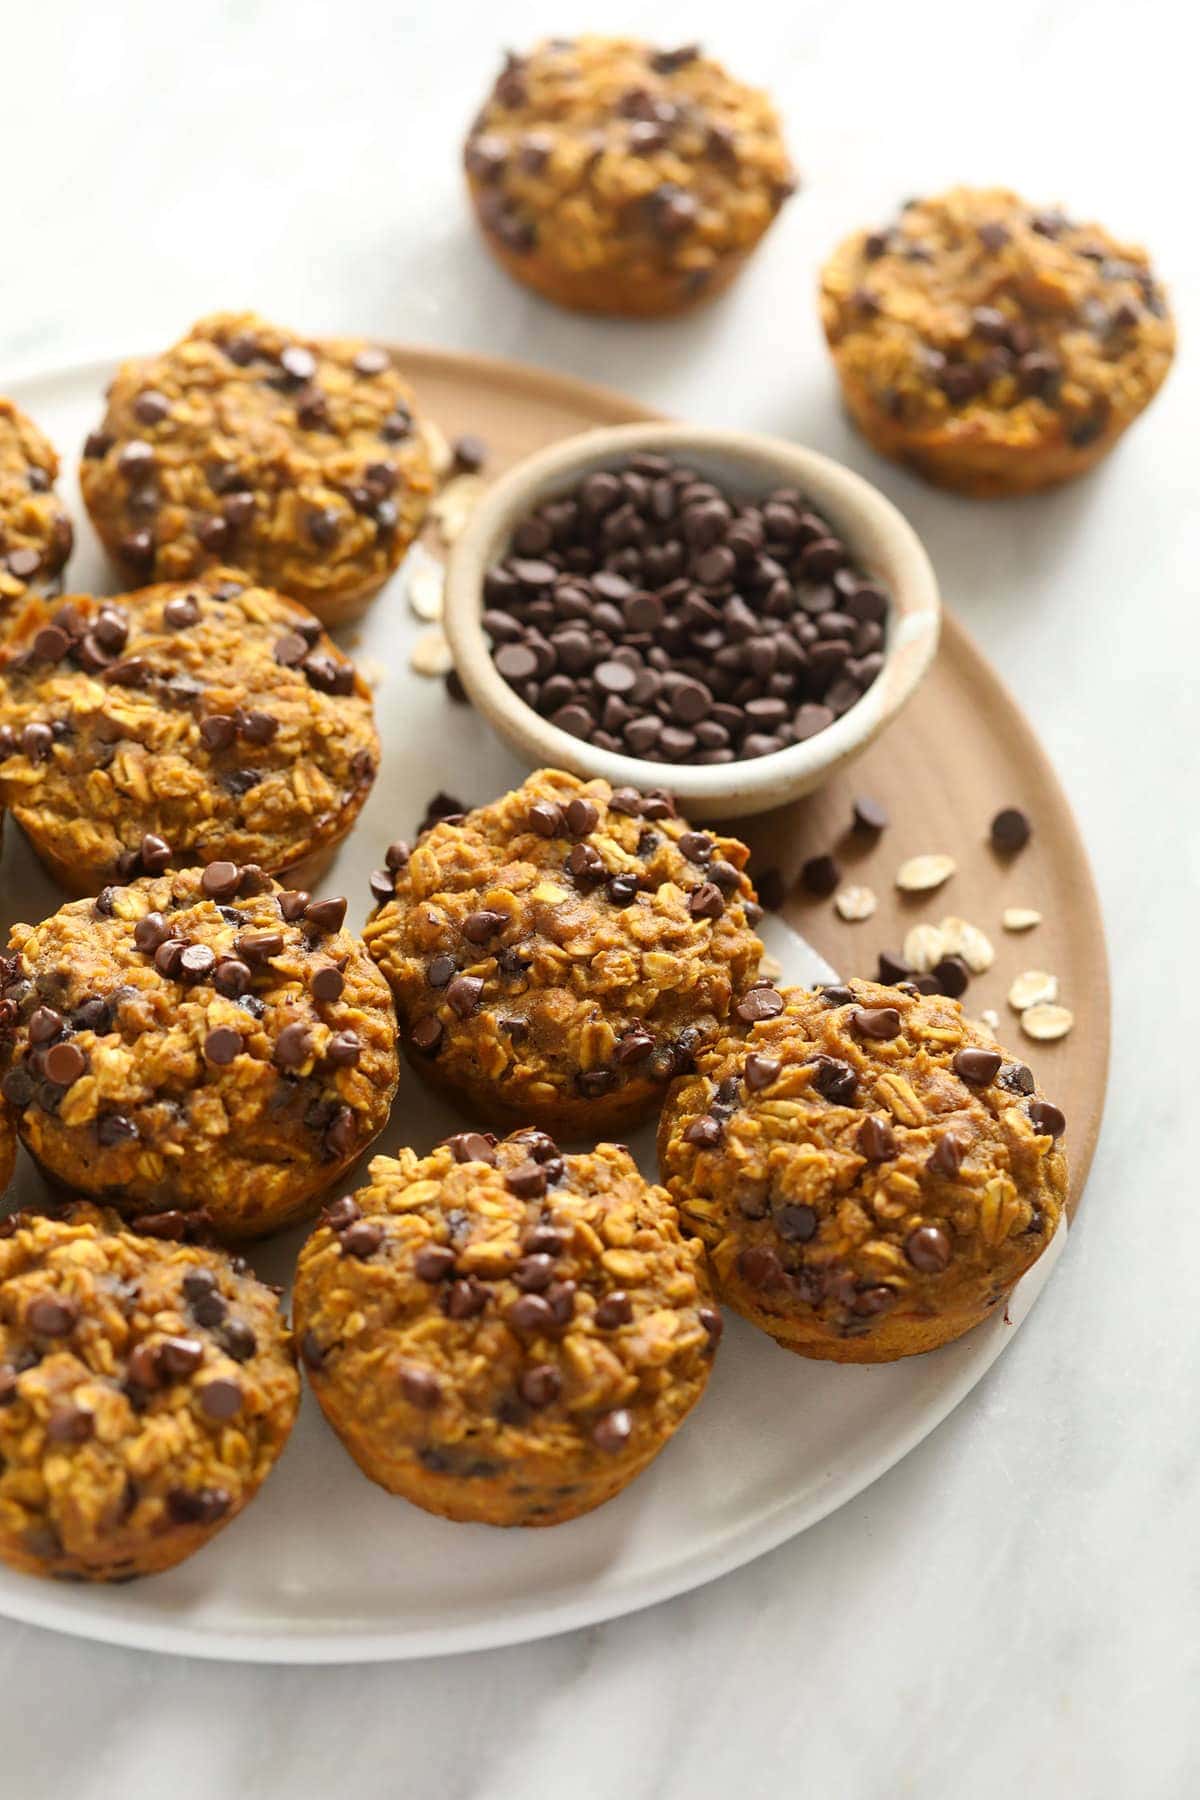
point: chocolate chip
(221, 1045)
(463, 994)
(757, 1004)
(198, 1506)
(952, 976)
(946, 1158)
(69, 1424)
(345, 1048)
(878, 1022)
(528, 1180)
(1046, 1118)
(760, 1072)
(540, 1385)
(869, 815)
(217, 731)
(613, 1430)
(835, 1080)
(64, 1064)
(820, 875)
(221, 1399)
(179, 1356)
(420, 1387)
(326, 916)
(1011, 830)
(51, 1315)
(327, 984)
(705, 1132)
(796, 1223)
(928, 1248)
(471, 1146)
(221, 880)
(876, 1140)
(427, 1034)
(434, 1262)
(706, 901)
(292, 1046)
(362, 1239)
(978, 1068)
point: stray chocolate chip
(952, 976)
(820, 875)
(1011, 830)
(869, 815)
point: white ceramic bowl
(881, 541)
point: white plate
(325, 1567)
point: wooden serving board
(959, 752)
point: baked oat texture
(146, 1392)
(36, 536)
(8, 1147)
(613, 177)
(210, 717)
(503, 1334)
(298, 459)
(558, 956)
(203, 1050)
(993, 347)
(870, 1173)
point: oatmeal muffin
(146, 1392)
(501, 1333)
(297, 459)
(180, 724)
(35, 533)
(203, 1050)
(616, 178)
(557, 957)
(870, 1174)
(992, 347)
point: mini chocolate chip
(528, 1180)
(64, 1064)
(326, 915)
(757, 1004)
(179, 1355)
(427, 1034)
(465, 1299)
(471, 1146)
(613, 1430)
(217, 731)
(869, 815)
(434, 1262)
(952, 976)
(796, 1223)
(545, 819)
(928, 1249)
(760, 1072)
(420, 1387)
(69, 1424)
(51, 1315)
(706, 901)
(835, 1080)
(221, 880)
(480, 927)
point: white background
(1015, 1610)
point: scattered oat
(371, 671)
(991, 1019)
(1021, 918)
(855, 903)
(441, 456)
(961, 938)
(430, 654)
(923, 948)
(921, 873)
(425, 585)
(454, 505)
(770, 966)
(1046, 1022)
(1032, 988)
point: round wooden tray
(959, 752)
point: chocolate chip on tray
(648, 611)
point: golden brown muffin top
(982, 313)
(570, 937)
(497, 1300)
(298, 458)
(855, 1148)
(205, 1040)
(146, 1388)
(602, 151)
(212, 717)
(35, 533)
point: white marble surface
(1013, 1609)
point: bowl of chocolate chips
(725, 614)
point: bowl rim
(855, 507)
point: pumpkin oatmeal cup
(501, 1333)
(36, 536)
(869, 1172)
(613, 177)
(146, 1392)
(559, 956)
(991, 346)
(300, 460)
(177, 725)
(205, 1051)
